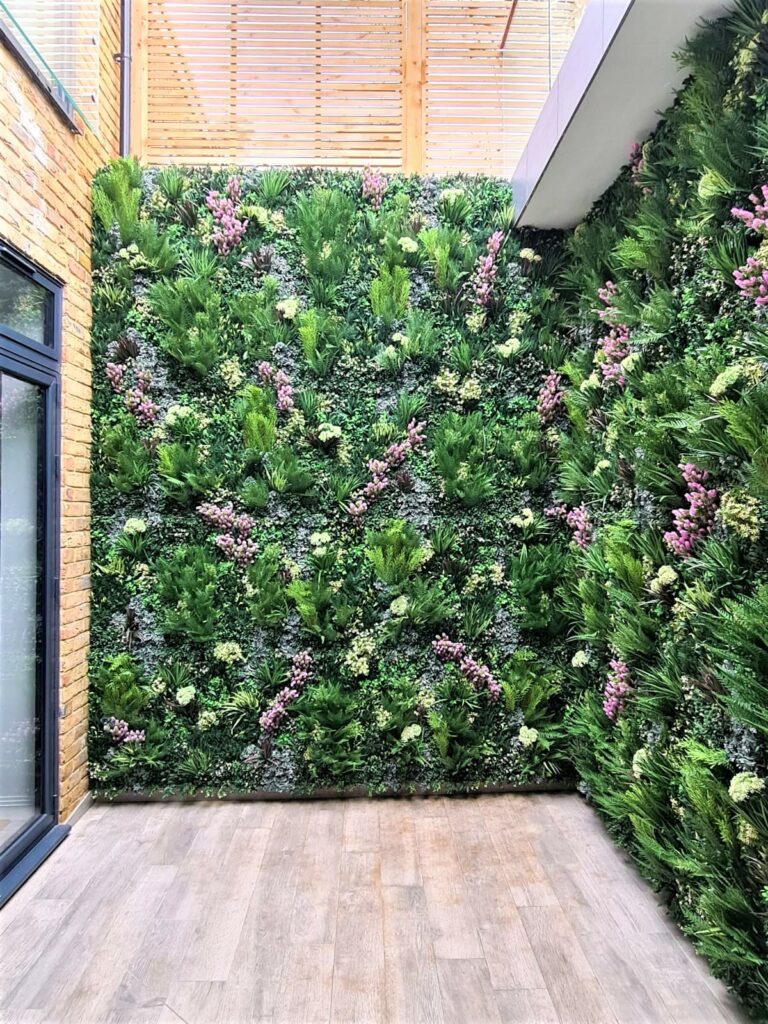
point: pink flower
(550, 398)
(283, 388)
(380, 470)
(234, 542)
(374, 186)
(579, 521)
(757, 219)
(270, 720)
(617, 689)
(115, 373)
(614, 348)
(478, 675)
(697, 521)
(752, 278)
(229, 229)
(486, 269)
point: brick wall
(45, 211)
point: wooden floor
(447, 911)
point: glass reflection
(20, 607)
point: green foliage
(330, 733)
(396, 552)
(273, 185)
(189, 308)
(389, 294)
(266, 588)
(323, 608)
(126, 456)
(122, 689)
(258, 420)
(286, 474)
(117, 197)
(449, 259)
(187, 587)
(320, 336)
(459, 741)
(183, 473)
(323, 219)
(462, 449)
(249, 486)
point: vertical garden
(387, 496)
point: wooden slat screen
(420, 85)
(539, 36)
(275, 82)
(465, 85)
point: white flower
(580, 659)
(176, 413)
(206, 719)
(641, 756)
(408, 244)
(328, 432)
(231, 372)
(410, 732)
(744, 785)
(287, 308)
(528, 736)
(185, 696)
(228, 651)
(508, 348)
(592, 381)
(134, 525)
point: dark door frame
(38, 364)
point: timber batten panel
(415, 85)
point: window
(59, 42)
(29, 323)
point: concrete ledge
(348, 793)
(618, 75)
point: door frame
(38, 364)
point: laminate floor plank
(358, 993)
(454, 928)
(398, 845)
(313, 920)
(508, 909)
(467, 993)
(526, 1006)
(508, 954)
(411, 980)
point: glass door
(22, 429)
(28, 568)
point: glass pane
(20, 603)
(24, 305)
(61, 39)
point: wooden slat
(414, 85)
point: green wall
(387, 496)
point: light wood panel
(414, 85)
(275, 82)
(423, 911)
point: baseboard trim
(80, 809)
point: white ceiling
(619, 73)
